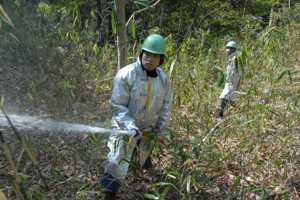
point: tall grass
(254, 153)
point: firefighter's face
(229, 50)
(150, 61)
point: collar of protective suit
(231, 56)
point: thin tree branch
(5, 17)
(140, 11)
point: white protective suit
(138, 102)
(232, 81)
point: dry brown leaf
(2, 196)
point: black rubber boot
(110, 196)
(148, 164)
(110, 186)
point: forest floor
(71, 167)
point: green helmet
(231, 44)
(155, 44)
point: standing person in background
(141, 100)
(232, 81)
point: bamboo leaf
(114, 21)
(241, 61)
(96, 49)
(166, 184)
(221, 79)
(151, 196)
(188, 184)
(172, 67)
(133, 30)
(283, 73)
(1, 102)
(171, 176)
(218, 68)
(93, 138)
(142, 3)
(44, 8)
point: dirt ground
(69, 168)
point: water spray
(51, 127)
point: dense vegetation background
(59, 57)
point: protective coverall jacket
(138, 102)
(232, 81)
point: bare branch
(140, 11)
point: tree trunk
(101, 37)
(121, 33)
